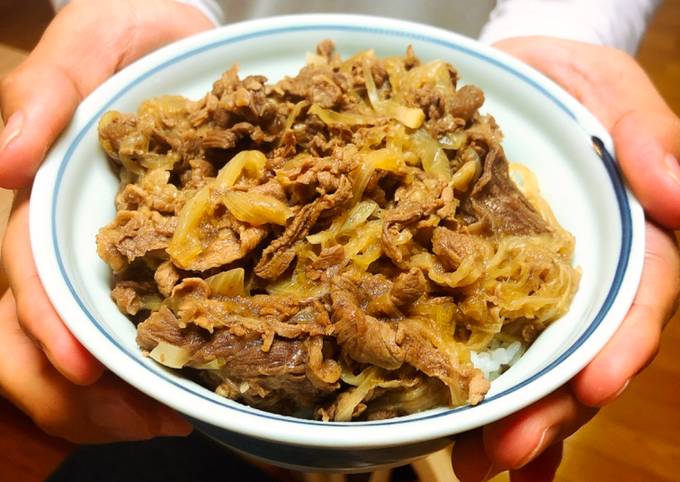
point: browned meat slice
(133, 234)
(317, 84)
(325, 48)
(452, 247)
(152, 191)
(133, 296)
(162, 325)
(496, 201)
(228, 246)
(406, 214)
(166, 277)
(324, 373)
(244, 100)
(327, 264)
(303, 179)
(226, 240)
(392, 299)
(408, 287)
(113, 129)
(266, 378)
(465, 103)
(267, 314)
(219, 139)
(390, 343)
(280, 253)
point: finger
(542, 469)
(39, 97)
(469, 458)
(514, 441)
(107, 411)
(636, 342)
(609, 90)
(645, 130)
(35, 312)
(648, 147)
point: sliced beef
(152, 191)
(280, 253)
(132, 235)
(362, 337)
(318, 84)
(408, 287)
(133, 296)
(497, 203)
(328, 263)
(389, 343)
(406, 214)
(225, 240)
(452, 247)
(166, 277)
(466, 102)
(263, 372)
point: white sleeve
(209, 8)
(616, 23)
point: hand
(647, 139)
(43, 368)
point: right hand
(43, 368)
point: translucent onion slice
(386, 159)
(255, 208)
(411, 117)
(330, 117)
(185, 244)
(358, 215)
(228, 283)
(215, 364)
(431, 155)
(466, 174)
(250, 162)
(170, 355)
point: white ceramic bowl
(545, 129)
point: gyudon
(342, 244)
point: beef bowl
(416, 236)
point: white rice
(497, 358)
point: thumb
(85, 44)
(648, 146)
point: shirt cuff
(616, 23)
(209, 8)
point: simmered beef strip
(279, 372)
(497, 202)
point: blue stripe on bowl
(609, 163)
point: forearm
(615, 23)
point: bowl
(545, 129)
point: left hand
(646, 134)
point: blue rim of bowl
(607, 159)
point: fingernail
(547, 437)
(12, 129)
(617, 394)
(672, 168)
